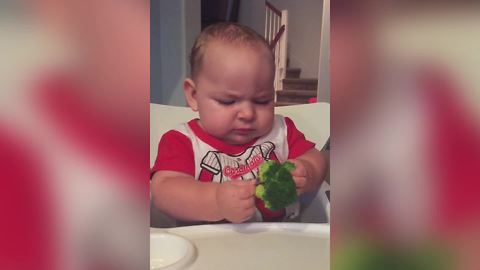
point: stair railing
(276, 32)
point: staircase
(296, 90)
(290, 88)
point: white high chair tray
(257, 245)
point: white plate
(169, 251)
(258, 246)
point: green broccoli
(276, 186)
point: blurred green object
(368, 255)
(276, 188)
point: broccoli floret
(276, 188)
(260, 191)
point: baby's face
(235, 93)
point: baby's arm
(311, 169)
(179, 195)
(182, 197)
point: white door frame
(323, 89)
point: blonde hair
(230, 33)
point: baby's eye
(225, 102)
(262, 102)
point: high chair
(311, 119)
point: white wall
(174, 26)
(192, 26)
(252, 14)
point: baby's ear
(190, 91)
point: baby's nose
(247, 112)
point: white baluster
(271, 25)
(274, 25)
(266, 22)
(277, 21)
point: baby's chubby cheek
(266, 121)
(215, 124)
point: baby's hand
(235, 200)
(299, 175)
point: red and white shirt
(190, 150)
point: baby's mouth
(243, 131)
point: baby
(205, 169)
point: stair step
(300, 83)
(293, 72)
(295, 92)
(284, 103)
(298, 96)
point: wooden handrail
(274, 42)
(273, 8)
